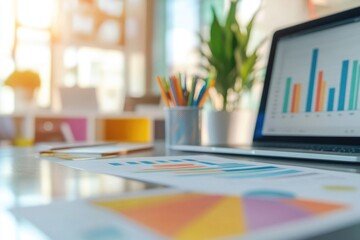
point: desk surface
(27, 181)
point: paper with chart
(219, 198)
(174, 214)
(211, 174)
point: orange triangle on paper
(171, 217)
(313, 206)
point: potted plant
(24, 84)
(228, 57)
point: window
(68, 42)
(92, 43)
(25, 34)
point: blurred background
(119, 46)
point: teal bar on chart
(353, 86)
(287, 95)
(331, 97)
(357, 89)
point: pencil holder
(182, 126)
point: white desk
(27, 181)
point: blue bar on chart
(133, 163)
(268, 174)
(331, 97)
(147, 162)
(161, 161)
(249, 169)
(115, 164)
(312, 80)
(344, 74)
(175, 160)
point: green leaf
(218, 65)
(241, 39)
(228, 32)
(232, 76)
(216, 37)
(248, 68)
(249, 28)
(231, 17)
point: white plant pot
(221, 127)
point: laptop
(310, 105)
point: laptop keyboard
(318, 148)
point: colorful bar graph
(185, 168)
(318, 91)
(287, 95)
(344, 74)
(320, 96)
(353, 86)
(331, 97)
(312, 80)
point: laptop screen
(312, 86)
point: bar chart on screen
(314, 98)
(315, 84)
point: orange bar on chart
(293, 99)
(318, 91)
(322, 97)
(297, 99)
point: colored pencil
(177, 87)
(176, 91)
(205, 95)
(185, 87)
(192, 92)
(165, 84)
(163, 92)
(173, 93)
(201, 93)
(167, 91)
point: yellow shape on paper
(131, 203)
(225, 219)
(337, 188)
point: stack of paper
(87, 152)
